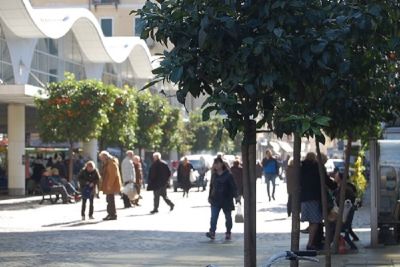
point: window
(106, 26)
(138, 26)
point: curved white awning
(27, 22)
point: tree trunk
(339, 223)
(71, 161)
(249, 193)
(295, 201)
(101, 144)
(324, 200)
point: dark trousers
(289, 205)
(163, 193)
(90, 206)
(127, 201)
(110, 198)
(214, 218)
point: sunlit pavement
(54, 234)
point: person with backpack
(271, 171)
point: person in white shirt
(128, 175)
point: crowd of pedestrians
(127, 179)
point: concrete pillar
(16, 149)
(90, 150)
(93, 71)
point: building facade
(39, 42)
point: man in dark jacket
(159, 174)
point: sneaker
(228, 236)
(83, 218)
(153, 211)
(91, 218)
(172, 207)
(210, 235)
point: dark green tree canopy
(122, 116)
(252, 56)
(74, 110)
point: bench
(46, 191)
(389, 226)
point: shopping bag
(193, 176)
(239, 214)
(130, 191)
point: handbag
(239, 215)
(130, 191)
(192, 176)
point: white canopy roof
(27, 22)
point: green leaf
(206, 112)
(278, 32)
(322, 121)
(250, 89)
(176, 74)
(305, 126)
(319, 47)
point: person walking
(128, 175)
(111, 182)
(222, 192)
(202, 170)
(184, 169)
(139, 177)
(237, 173)
(159, 174)
(88, 178)
(271, 171)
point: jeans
(90, 206)
(270, 177)
(214, 218)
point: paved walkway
(53, 235)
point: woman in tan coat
(111, 182)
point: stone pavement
(53, 235)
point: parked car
(195, 161)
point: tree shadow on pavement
(23, 206)
(281, 208)
(72, 223)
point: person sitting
(48, 186)
(58, 180)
